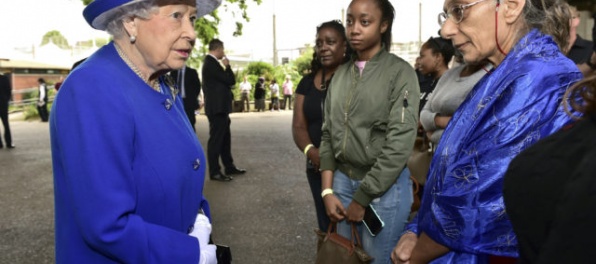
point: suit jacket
(128, 168)
(217, 87)
(192, 87)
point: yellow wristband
(326, 191)
(307, 148)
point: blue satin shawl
(512, 107)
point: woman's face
(330, 47)
(167, 38)
(474, 36)
(364, 25)
(428, 62)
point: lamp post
(419, 23)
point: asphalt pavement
(265, 216)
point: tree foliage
(55, 37)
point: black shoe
(235, 170)
(11, 146)
(220, 177)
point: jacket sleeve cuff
(412, 226)
(327, 163)
(362, 198)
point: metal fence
(30, 101)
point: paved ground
(266, 215)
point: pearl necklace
(153, 84)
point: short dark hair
(442, 46)
(215, 44)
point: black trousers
(190, 113)
(220, 143)
(4, 117)
(43, 112)
(314, 180)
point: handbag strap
(416, 185)
(355, 238)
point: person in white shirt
(274, 95)
(245, 88)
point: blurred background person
(42, 100)
(189, 86)
(331, 50)
(128, 168)
(5, 97)
(218, 81)
(274, 89)
(579, 50)
(245, 88)
(462, 218)
(259, 94)
(288, 90)
(549, 189)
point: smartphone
(372, 221)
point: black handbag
(223, 254)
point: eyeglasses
(456, 13)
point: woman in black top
(550, 190)
(331, 50)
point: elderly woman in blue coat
(128, 168)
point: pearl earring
(133, 39)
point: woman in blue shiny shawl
(462, 218)
(128, 167)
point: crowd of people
(508, 121)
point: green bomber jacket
(370, 123)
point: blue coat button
(197, 164)
(168, 104)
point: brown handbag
(419, 161)
(332, 248)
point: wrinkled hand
(313, 156)
(335, 210)
(202, 230)
(208, 255)
(355, 212)
(403, 250)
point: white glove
(208, 255)
(202, 230)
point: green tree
(55, 37)
(303, 62)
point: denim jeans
(393, 208)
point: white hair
(141, 9)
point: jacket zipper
(347, 109)
(404, 105)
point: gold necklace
(153, 84)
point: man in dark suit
(5, 95)
(218, 81)
(187, 80)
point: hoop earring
(133, 39)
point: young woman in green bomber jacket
(371, 114)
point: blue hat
(99, 11)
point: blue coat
(509, 109)
(128, 168)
